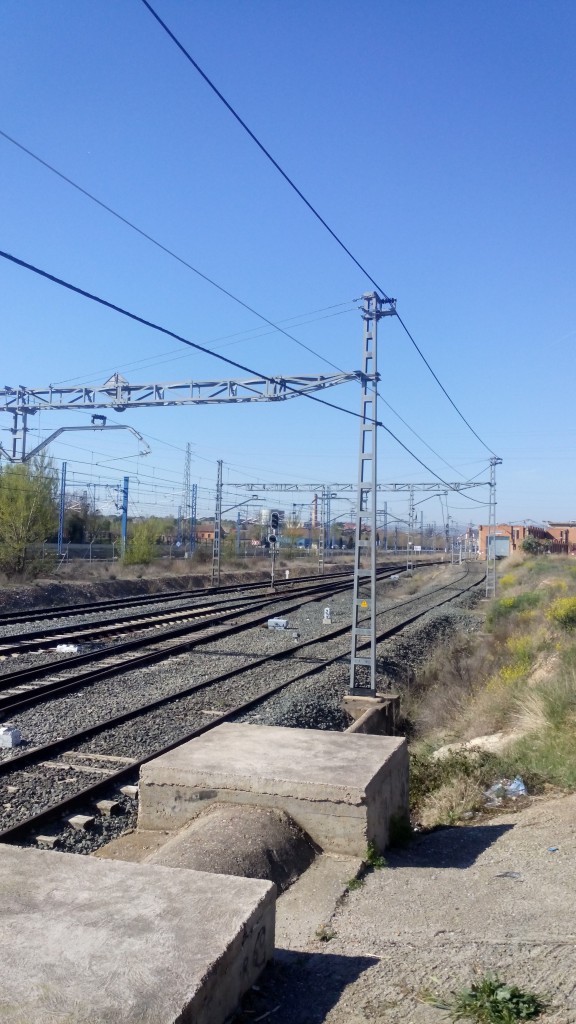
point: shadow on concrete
(452, 847)
(300, 988)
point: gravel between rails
(311, 703)
(113, 615)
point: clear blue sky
(437, 138)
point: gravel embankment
(311, 703)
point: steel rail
(21, 829)
(63, 611)
(11, 681)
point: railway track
(109, 752)
(118, 604)
(24, 687)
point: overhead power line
(216, 355)
(311, 207)
(164, 248)
(225, 291)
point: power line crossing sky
(437, 141)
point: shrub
(508, 605)
(508, 580)
(563, 612)
(490, 1001)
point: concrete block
(108, 807)
(10, 736)
(341, 788)
(86, 940)
(49, 841)
(81, 822)
(131, 791)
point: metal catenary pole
(217, 528)
(124, 522)
(193, 513)
(186, 511)
(362, 661)
(491, 538)
(62, 507)
(322, 532)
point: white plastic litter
(66, 648)
(504, 788)
(277, 623)
(10, 736)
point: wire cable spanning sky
(314, 211)
(415, 145)
(215, 284)
(231, 362)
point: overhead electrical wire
(312, 209)
(160, 245)
(165, 249)
(215, 355)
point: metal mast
(363, 666)
(186, 500)
(322, 532)
(193, 515)
(217, 529)
(491, 538)
(411, 528)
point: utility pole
(62, 507)
(193, 503)
(124, 521)
(491, 538)
(322, 532)
(217, 528)
(186, 516)
(411, 517)
(238, 532)
(363, 665)
(385, 531)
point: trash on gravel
(277, 623)
(516, 788)
(66, 648)
(10, 736)
(553, 849)
(509, 874)
(504, 788)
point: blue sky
(437, 139)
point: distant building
(560, 538)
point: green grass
(506, 606)
(563, 612)
(354, 883)
(492, 1001)
(374, 858)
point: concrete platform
(343, 789)
(86, 941)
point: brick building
(559, 538)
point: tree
(28, 509)
(532, 546)
(141, 547)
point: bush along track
(511, 688)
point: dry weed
(448, 804)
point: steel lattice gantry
(299, 488)
(119, 395)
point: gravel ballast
(311, 703)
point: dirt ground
(455, 904)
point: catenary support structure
(363, 651)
